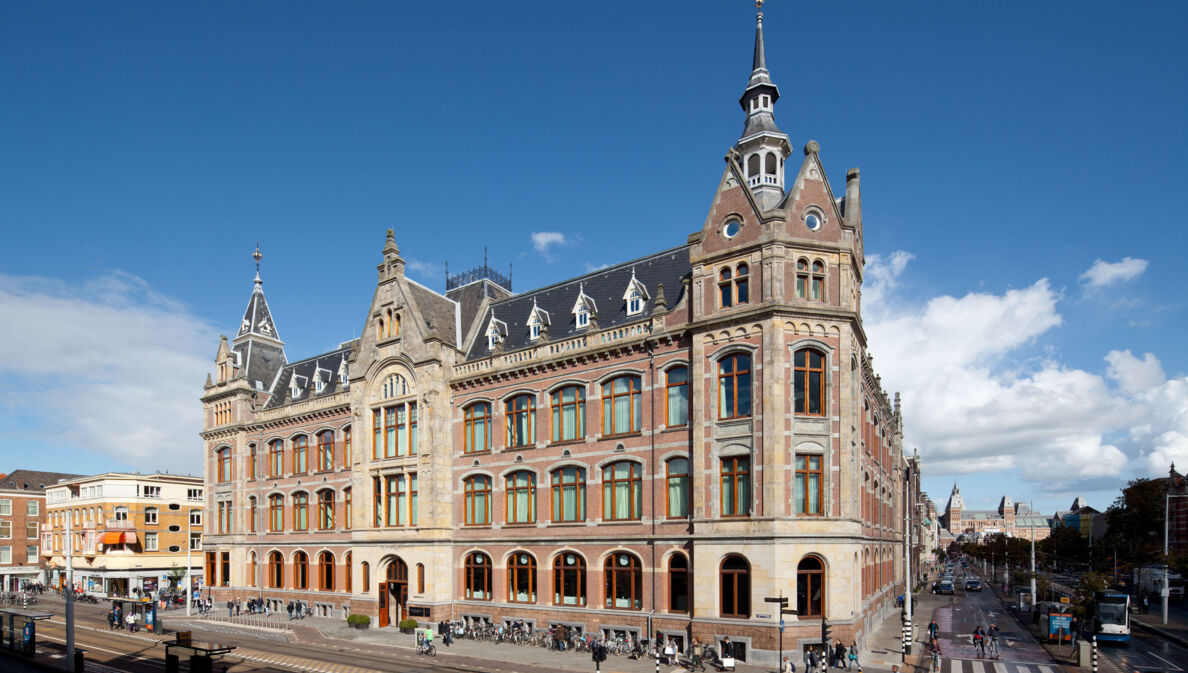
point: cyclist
(429, 641)
(935, 656)
(993, 635)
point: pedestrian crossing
(984, 666)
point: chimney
(853, 211)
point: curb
(1170, 635)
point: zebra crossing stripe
(1045, 669)
(955, 665)
(1000, 668)
(977, 666)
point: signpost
(784, 610)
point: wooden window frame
(802, 386)
(735, 469)
(472, 487)
(276, 513)
(325, 571)
(614, 573)
(669, 477)
(276, 570)
(669, 385)
(420, 578)
(223, 456)
(276, 458)
(559, 405)
(472, 414)
(803, 474)
(742, 286)
(725, 288)
(253, 456)
(741, 606)
(473, 568)
(512, 415)
(512, 490)
(325, 451)
(558, 486)
(634, 480)
(253, 512)
(683, 573)
(347, 573)
(573, 576)
(346, 448)
(817, 287)
(804, 587)
(326, 509)
(301, 454)
(728, 407)
(802, 278)
(300, 511)
(347, 507)
(516, 570)
(301, 571)
(634, 395)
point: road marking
(1174, 667)
(977, 667)
(80, 646)
(1000, 667)
(955, 666)
(1045, 669)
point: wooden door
(383, 605)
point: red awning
(111, 538)
(130, 538)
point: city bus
(1108, 617)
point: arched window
(521, 578)
(223, 457)
(477, 435)
(753, 162)
(569, 579)
(521, 497)
(734, 386)
(809, 382)
(252, 458)
(253, 512)
(623, 579)
(251, 569)
(420, 578)
(818, 287)
(678, 583)
(478, 576)
(676, 397)
(569, 413)
(276, 570)
(394, 386)
(802, 278)
(326, 571)
(347, 572)
(347, 511)
(379, 329)
(300, 570)
(396, 318)
(366, 568)
(325, 509)
(622, 410)
(622, 491)
(769, 162)
(520, 415)
(346, 448)
(736, 486)
(742, 292)
(276, 513)
(477, 500)
(735, 579)
(300, 454)
(569, 494)
(301, 511)
(276, 458)
(809, 485)
(810, 587)
(325, 450)
(725, 291)
(677, 492)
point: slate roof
(306, 371)
(605, 286)
(257, 319)
(259, 348)
(470, 298)
(438, 311)
(33, 480)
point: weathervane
(257, 255)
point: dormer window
(537, 320)
(496, 333)
(296, 386)
(342, 373)
(582, 318)
(583, 308)
(635, 296)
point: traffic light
(825, 632)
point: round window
(812, 221)
(732, 228)
(173, 549)
(570, 559)
(623, 560)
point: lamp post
(1031, 514)
(189, 561)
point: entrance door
(383, 606)
(397, 591)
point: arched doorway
(393, 593)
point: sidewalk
(1176, 628)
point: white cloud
(1132, 374)
(427, 270)
(882, 276)
(545, 241)
(108, 366)
(1104, 273)
(591, 268)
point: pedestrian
(1146, 605)
(238, 607)
(808, 660)
(727, 649)
(695, 655)
(230, 609)
(289, 609)
(787, 666)
(853, 655)
(839, 655)
(669, 652)
(131, 620)
(933, 630)
(1073, 628)
(979, 642)
(111, 620)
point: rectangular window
(377, 445)
(392, 501)
(150, 542)
(150, 516)
(621, 405)
(5, 554)
(5, 530)
(152, 491)
(676, 400)
(346, 508)
(677, 494)
(390, 432)
(194, 494)
(31, 531)
(195, 517)
(226, 571)
(413, 515)
(32, 507)
(476, 428)
(569, 494)
(346, 447)
(520, 416)
(377, 496)
(736, 486)
(195, 540)
(569, 414)
(5, 508)
(808, 484)
(31, 554)
(622, 491)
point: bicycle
(426, 647)
(936, 662)
(994, 651)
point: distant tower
(953, 511)
(762, 148)
(261, 353)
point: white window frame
(194, 494)
(5, 530)
(120, 514)
(152, 491)
(6, 555)
(195, 541)
(32, 508)
(151, 543)
(195, 517)
(635, 296)
(36, 530)
(31, 553)
(5, 507)
(150, 516)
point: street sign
(781, 625)
(1064, 599)
(762, 616)
(781, 600)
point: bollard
(1093, 639)
(79, 661)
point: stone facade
(1010, 518)
(655, 447)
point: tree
(1136, 522)
(176, 575)
(1090, 584)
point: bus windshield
(1112, 613)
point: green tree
(1136, 523)
(176, 575)
(1091, 583)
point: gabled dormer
(636, 296)
(585, 310)
(297, 386)
(496, 333)
(320, 378)
(538, 322)
(343, 373)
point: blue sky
(1021, 169)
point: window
(521, 497)
(582, 317)
(622, 491)
(120, 514)
(150, 542)
(818, 286)
(394, 386)
(634, 302)
(676, 397)
(394, 495)
(725, 291)
(195, 517)
(325, 451)
(347, 572)
(276, 570)
(346, 447)
(520, 414)
(346, 508)
(736, 486)
(31, 532)
(5, 530)
(477, 503)
(809, 382)
(802, 278)
(300, 570)
(253, 511)
(251, 466)
(521, 578)
(810, 588)
(733, 288)
(478, 576)
(5, 508)
(276, 513)
(6, 554)
(623, 581)
(223, 458)
(155, 491)
(734, 386)
(569, 580)
(300, 454)
(742, 294)
(621, 405)
(420, 578)
(569, 494)
(32, 507)
(326, 571)
(735, 579)
(412, 500)
(569, 414)
(677, 493)
(276, 458)
(366, 568)
(808, 484)
(395, 430)
(300, 511)
(678, 583)
(150, 516)
(325, 509)
(251, 569)
(31, 553)
(477, 433)
(196, 541)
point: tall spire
(760, 61)
(257, 319)
(762, 146)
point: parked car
(973, 585)
(946, 587)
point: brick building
(652, 447)
(1014, 519)
(22, 513)
(130, 533)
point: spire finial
(257, 255)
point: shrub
(407, 624)
(358, 619)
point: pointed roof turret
(760, 111)
(762, 147)
(261, 351)
(257, 319)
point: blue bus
(1109, 617)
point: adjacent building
(1010, 518)
(22, 513)
(1177, 511)
(654, 447)
(130, 534)
(1086, 520)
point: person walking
(238, 607)
(933, 630)
(131, 620)
(787, 666)
(853, 655)
(1073, 628)
(289, 609)
(695, 656)
(230, 609)
(839, 655)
